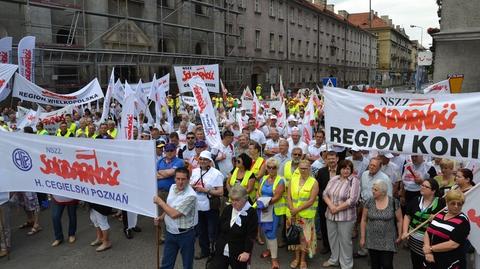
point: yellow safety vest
(257, 166)
(72, 127)
(301, 195)
(287, 172)
(280, 207)
(244, 182)
(113, 133)
(94, 136)
(42, 132)
(68, 134)
(80, 132)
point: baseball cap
(206, 155)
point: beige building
(254, 41)
(394, 49)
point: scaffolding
(79, 45)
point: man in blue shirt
(166, 175)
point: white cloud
(404, 13)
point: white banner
(5, 58)
(208, 73)
(6, 73)
(439, 87)
(472, 210)
(267, 105)
(207, 114)
(108, 97)
(437, 125)
(119, 174)
(119, 92)
(26, 58)
(51, 120)
(157, 94)
(27, 91)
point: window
(164, 3)
(241, 4)
(292, 75)
(230, 28)
(241, 33)
(315, 50)
(257, 6)
(292, 42)
(199, 9)
(280, 43)
(299, 49)
(299, 18)
(271, 43)
(307, 48)
(257, 39)
(280, 10)
(271, 8)
(292, 15)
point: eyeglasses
(297, 154)
(427, 187)
(190, 138)
(271, 167)
(204, 159)
(453, 203)
(303, 168)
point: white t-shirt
(314, 151)
(211, 179)
(272, 145)
(359, 166)
(300, 144)
(226, 165)
(182, 138)
(257, 136)
(189, 153)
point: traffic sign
(329, 82)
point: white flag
(207, 114)
(5, 58)
(439, 87)
(282, 90)
(26, 58)
(108, 96)
(282, 116)
(272, 93)
(6, 73)
(472, 210)
(128, 114)
(308, 119)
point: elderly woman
(446, 236)
(341, 196)
(464, 180)
(447, 178)
(237, 232)
(272, 187)
(302, 198)
(243, 175)
(381, 226)
(417, 212)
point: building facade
(394, 49)
(253, 41)
(456, 45)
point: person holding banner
(446, 236)
(207, 181)
(180, 216)
(417, 212)
(64, 131)
(40, 129)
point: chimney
(343, 13)
(385, 18)
(376, 14)
(331, 8)
(390, 22)
(397, 27)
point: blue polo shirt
(164, 184)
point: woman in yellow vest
(242, 174)
(272, 186)
(302, 205)
(258, 166)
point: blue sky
(404, 13)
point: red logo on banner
(411, 118)
(56, 95)
(201, 72)
(83, 171)
(129, 128)
(472, 215)
(3, 57)
(27, 63)
(2, 81)
(53, 120)
(199, 96)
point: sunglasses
(271, 167)
(427, 187)
(297, 154)
(190, 138)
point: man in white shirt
(271, 147)
(255, 134)
(182, 133)
(4, 224)
(360, 163)
(225, 154)
(414, 173)
(207, 182)
(295, 142)
(391, 170)
(190, 125)
(313, 151)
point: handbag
(214, 202)
(293, 234)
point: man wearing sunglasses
(187, 152)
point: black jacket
(239, 239)
(322, 177)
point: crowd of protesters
(263, 185)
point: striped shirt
(340, 191)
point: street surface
(35, 251)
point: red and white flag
(282, 116)
(272, 93)
(439, 87)
(472, 210)
(224, 91)
(205, 109)
(247, 94)
(255, 107)
(26, 58)
(6, 73)
(308, 119)
(108, 96)
(5, 58)
(128, 114)
(281, 94)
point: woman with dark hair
(417, 212)
(463, 180)
(446, 236)
(258, 166)
(341, 196)
(243, 175)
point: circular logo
(22, 160)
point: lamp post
(421, 33)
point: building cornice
(457, 35)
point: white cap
(273, 117)
(291, 118)
(355, 148)
(338, 148)
(206, 154)
(386, 154)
